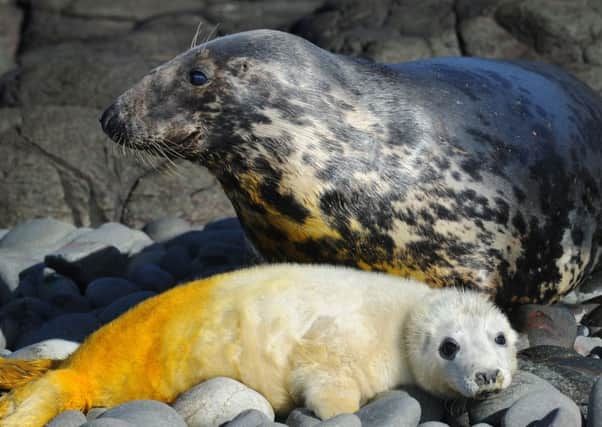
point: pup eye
(449, 348)
(500, 339)
(198, 78)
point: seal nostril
(486, 377)
(107, 117)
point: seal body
(456, 171)
(327, 337)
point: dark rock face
(75, 57)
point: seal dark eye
(198, 78)
(448, 348)
(500, 339)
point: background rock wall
(63, 61)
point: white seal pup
(329, 338)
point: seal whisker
(196, 34)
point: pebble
(123, 304)
(72, 327)
(147, 413)
(546, 325)
(249, 418)
(432, 408)
(54, 285)
(434, 424)
(54, 348)
(12, 265)
(111, 422)
(68, 419)
(594, 413)
(177, 262)
(166, 228)
(546, 407)
(342, 420)
(103, 291)
(150, 255)
(584, 345)
(126, 240)
(392, 408)
(34, 234)
(210, 403)
(22, 315)
(95, 413)
(491, 410)
(152, 278)
(302, 417)
(86, 261)
(593, 318)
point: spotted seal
(326, 337)
(455, 171)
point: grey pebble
(49, 349)
(53, 285)
(231, 223)
(594, 413)
(150, 255)
(24, 315)
(249, 418)
(103, 291)
(546, 325)
(166, 228)
(491, 410)
(302, 417)
(433, 424)
(110, 422)
(546, 408)
(145, 413)
(72, 327)
(68, 419)
(152, 278)
(432, 408)
(482, 425)
(342, 420)
(3, 232)
(123, 304)
(126, 240)
(12, 265)
(95, 413)
(392, 408)
(38, 233)
(211, 403)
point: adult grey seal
(455, 171)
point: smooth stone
(72, 327)
(342, 420)
(123, 304)
(148, 413)
(86, 261)
(584, 345)
(594, 412)
(593, 318)
(435, 424)
(49, 349)
(231, 223)
(54, 285)
(3, 232)
(176, 262)
(110, 422)
(68, 419)
(391, 408)
(12, 265)
(103, 291)
(71, 303)
(126, 240)
(546, 325)
(152, 278)
(249, 418)
(37, 233)
(302, 417)
(491, 410)
(211, 403)
(21, 316)
(95, 413)
(432, 408)
(482, 425)
(572, 374)
(166, 228)
(544, 408)
(150, 255)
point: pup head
(460, 344)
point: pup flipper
(15, 372)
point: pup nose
(486, 377)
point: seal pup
(454, 171)
(326, 337)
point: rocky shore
(59, 283)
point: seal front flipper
(37, 402)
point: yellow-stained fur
(296, 334)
